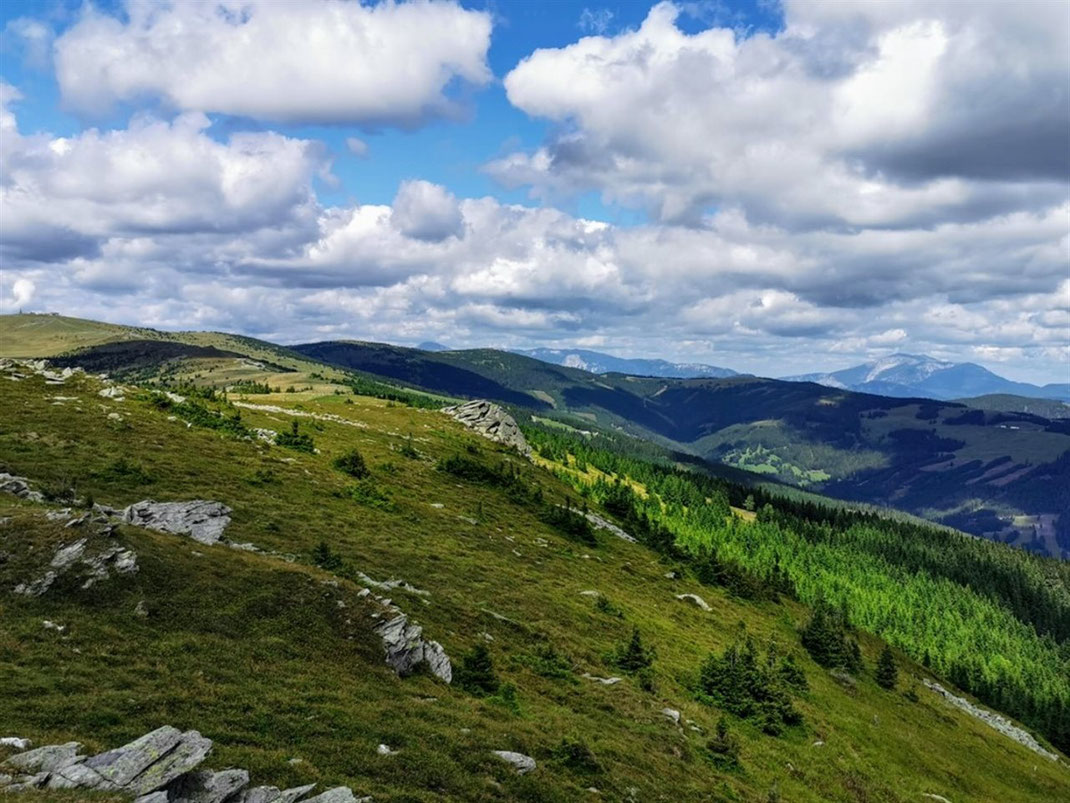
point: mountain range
(908, 375)
(599, 363)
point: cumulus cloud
(66, 197)
(426, 211)
(318, 61)
(928, 112)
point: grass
(256, 652)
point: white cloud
(357, 147)
(426, 211)
(317, 61)
(68, 197)
(866, 115)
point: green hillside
(271, 653)
(1000, 474)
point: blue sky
(774, 187)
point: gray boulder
(191, 750)
(340, 794)
(521, 763)
(205, 786)
(200, 519)
(20, 487)
(272, 794)
(406, 649)
(155, 797)
(120, 766)
(492, 422)
(44, 759)
(696, 599)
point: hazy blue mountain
(598, 363)
(431, 345)
(907, 375)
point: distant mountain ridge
(600, 363)
(911, 375)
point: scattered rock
(492, 422)
(20, 487)
(390, 585)
(818, 743)
(115, 393)
(937, 798)
(993, 720)
(50, 625)
(384, 750)
(695, 598)
(44, 759)
(590, 593)
(672, 715)
(523, 764)
(603, 681)
(604, 524)
(141, 609)
(201, 520)
(16, 742)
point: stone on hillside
(154, 797)
(521, 763)
(205, 786)
(114, 392)
(120, 766)
(604, 681)
(696, 599)
(406, 649)
(603, 524)
(36, 588)
(16, 742)
(671, 714)
(191, 750)
(272, 794)
(44, 759)
(201, 520)
(492, 422)
(340, 794)
(20, 487)
(296, 793)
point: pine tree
(476, 672)
(887, 674)
(633, 656)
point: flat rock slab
(44, 759)
(202, 520)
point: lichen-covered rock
(205, 786)
(200, 519)
(191, 750)
(43, 759)
(492, 422)
(521, 763)
(120, 766)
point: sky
(774, 187)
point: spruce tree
(887, 674)
(476, 672)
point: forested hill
(1001, 474)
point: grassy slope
(256, 653)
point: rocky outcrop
(521, 763)
(93, 558)
(492, 422)
(201, 520)
(603, 524)
(160, 767)
(405, 646)
(993, 720)
(20, 487)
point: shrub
(326, 558)
(296, 440)
(476, 672)
(352, 463)
(724, 746)
(632, 656)
(576, 756)
(825, 638)
(570, 523)
(367, 493)
(548, 663)
(603, 605)
(743, 686)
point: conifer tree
(887, 674)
